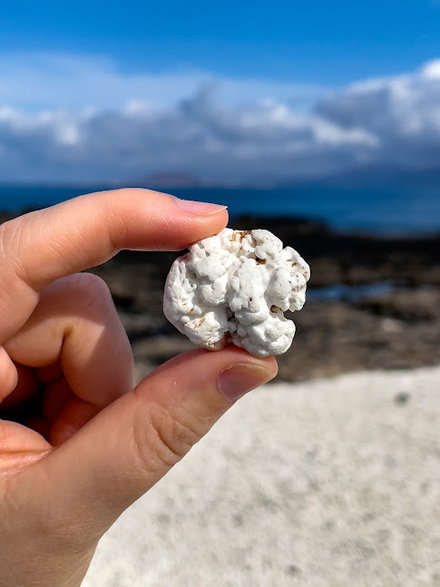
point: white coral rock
(235, 287)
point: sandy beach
(329, 482)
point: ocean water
(378, 210)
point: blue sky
(227, 91)
(320, 41)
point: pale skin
(78, 444)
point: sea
(376, 210)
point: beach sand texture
(333, 482)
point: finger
(42, 246)
(22, 397)
(133, 442)
(73, 416)
(19, 447)
(8, 375)
(75, 325)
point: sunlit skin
(77, 444)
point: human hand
(77, 444)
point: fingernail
(239, 379)
(205, 208)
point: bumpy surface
(235, 287)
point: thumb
(93, 477)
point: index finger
(39, 247)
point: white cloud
(403, 112)
(80, 119)
(46, 80)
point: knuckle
(90, 283)
(11, 235)
(162, 438)
(90, 288)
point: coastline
(385, 316)
(373, 303)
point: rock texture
(235, 287)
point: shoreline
(381, 308)
(386, 327)
(361, 205)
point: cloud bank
(77, 119)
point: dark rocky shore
(388, 316)
(397, 326)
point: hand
(77, 444)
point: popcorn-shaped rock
(234, 287)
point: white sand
(329, 483)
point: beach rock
(398, 330)
(416, 305)
(235, 287)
